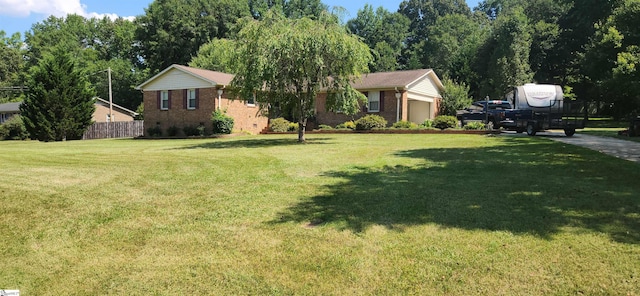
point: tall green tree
(95, 45)
(59, 104)
(453, 43)
(287, 62)
(422, 15)
(384, 32)
(172, 31)
(11, 65)
(505, 56)
(217, 55)
(290, 8)
(577, 28)
(71, 33)
(612, 58)
(313, 9)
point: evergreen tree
(59, 105)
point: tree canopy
(384, 33)
(287, 62)
(172, 31)
(589, 46)
(11, 65)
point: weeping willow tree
(287, 62)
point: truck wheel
(569, 131)
(531, 130)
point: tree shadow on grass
(255, 143)
(524, 189)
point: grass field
(607, 127)
(342, 215)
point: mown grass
(342, 215)
(607, 127)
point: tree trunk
(302, 126)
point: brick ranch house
(182, 96)
(411, 95)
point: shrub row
(221, 124)
(370, 122)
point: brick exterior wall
(388, 110)
(246, 117)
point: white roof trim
(433, 76)
(174, 66)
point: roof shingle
(214, 76)
(400, 79)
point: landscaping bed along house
(375, 124)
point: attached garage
(411, 95)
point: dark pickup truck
(478, 111)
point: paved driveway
(628, 150)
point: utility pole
(110, 96)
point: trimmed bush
(324, 127)
(475, 125)
(427, 123)
(154, 131)
(191, 130)
(201, 130)
(279, 125)
(347, 125)
(172, 131)
(403, 124)
(370, 122)
(445, 121)
(222, 123)
(13, 129)
(293, 126)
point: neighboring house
(8, 110)
(100, 115)
(182, 96)
(411, 95)
(119, 113)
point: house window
(251, 101)
(191, 99)
(164, 100)
(374, 101)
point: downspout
(398, 95)
(398, 110)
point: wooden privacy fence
(118, 129)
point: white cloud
(59, 8)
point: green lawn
(352, 214)
(606, 127)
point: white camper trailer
(539, 107)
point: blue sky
(19, 15)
